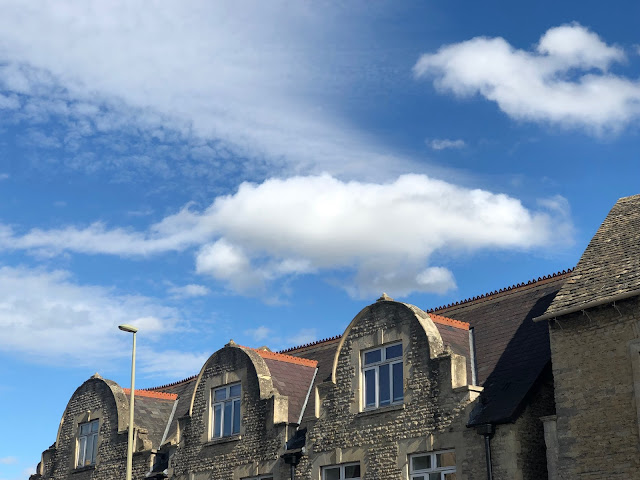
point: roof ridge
(310, 344)
(152, 394)
(449, 321)
(516, 286)
(172, 384)
(285, 358)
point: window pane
(394, 351)
(95, 448)
(398, 387)
(434, 476)
(84, 429)
(89, 455)
(332, 473)
(217, 417)
(417, 477)
(449, 476)
(372, 357)
(227, 419)
(236, 416)
(420, 462)
(384, 390)
(370, 387)
(234, 390)
(352, 471)
(447, 459)
(94, 426)
(82, 443)
(220, 394)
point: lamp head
(128, 328)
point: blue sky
(262, 170)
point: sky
(261, 171)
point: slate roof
(511, 350)
(610, 266)
(184, 390)
(323, 352)
(292, 376)
(455, 334)
(152, 412)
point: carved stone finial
(96, 375)
(264, 348)
(231, 343)
(384, 298)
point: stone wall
(105, 401)
(596, 407)
(432, 417)
(257, 449)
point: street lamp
(131, 329)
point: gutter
(592, 304)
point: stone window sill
(218, 441)
(377, 411)
(83, 469)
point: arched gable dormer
(386, 323)
(96, 400)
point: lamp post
(131, 329)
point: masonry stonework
(597, 420)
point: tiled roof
(266, 354)
(152, 394)
(449, 321)
(610, 266)
(511, 350)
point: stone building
(538, 380)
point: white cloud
(566, 80)
(8, 460)
(4, 176)
(304, 336)
(201, 70)
(384, 234)
(49, 317)
(172, 363)
(189, 291)
(260, 333)
(444, 143)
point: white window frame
(260, 477)
(426, 473)
(236, 403)
(376, 368)
(85, 441)
(342, 467)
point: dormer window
(225, 410)
(87, 446)
(382, 376)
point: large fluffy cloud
(565, 80)
(383, 234)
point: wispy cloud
(224, 81)
(309, 225)
(565, 80)
(188, 291)
(259, 334)
(48, 316)
(444, 143)
(8, 460)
